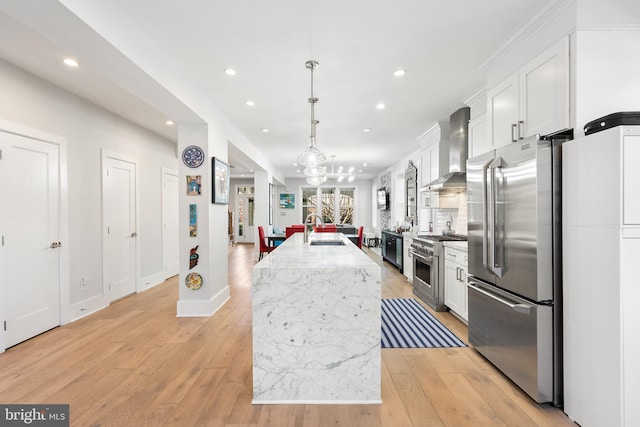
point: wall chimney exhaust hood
(454, 149)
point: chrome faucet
(306, 230)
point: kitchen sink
(326, 239)
(326, 243)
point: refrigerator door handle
(485, 215)
(497, 266)
(520, 308)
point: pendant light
(312, 158)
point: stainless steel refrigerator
(515, 292)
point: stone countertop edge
(295, 253)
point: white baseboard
(200, 308)
(84, 308)
(152, 280)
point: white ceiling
(358, 43)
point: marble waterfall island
(316, 324)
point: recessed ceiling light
(297, 170)
(380, 106)
(169, 122)
(366, 130)
(399, 73)
(250, 103)
(230, 71)
(295, 164)
(265, 130)
(250, 170)
(364, 164)
(359, 170)
(71, 62)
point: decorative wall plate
(193, 156)
(193, 281)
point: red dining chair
(295, 228)
(360, 236)
(328, 228)
(264, 248)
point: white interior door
(170, 223)
(119, 222)
(30, 229)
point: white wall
(285, 217)
(30, 101)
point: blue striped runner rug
(407, 324)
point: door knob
(55, 245)
(134, 234)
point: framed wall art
(194, 184)
(193, 220)
(287, 201)
(220, 181)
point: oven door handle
(428, 259)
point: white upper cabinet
(533, 100)
(544, 91)
(431, 162)
(502, 112)
(430, 171)
(478, 142)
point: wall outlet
(83, 283)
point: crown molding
(609, 27)
(479, 94)
(525, 32)
(437, 126)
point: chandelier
(312, 158)
(341, 174)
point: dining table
(272, 238)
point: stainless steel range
(428, 268)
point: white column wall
(211, 236)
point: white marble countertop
(295, 253)
(463, 246)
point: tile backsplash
(439, 217)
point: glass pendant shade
(316, 180)
(311, 156)
(315, 170)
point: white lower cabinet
(455, 281)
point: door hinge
(0, 154)
(5, 325)
(2, 240)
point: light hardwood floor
(134, 363)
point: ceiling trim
(525, 32)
